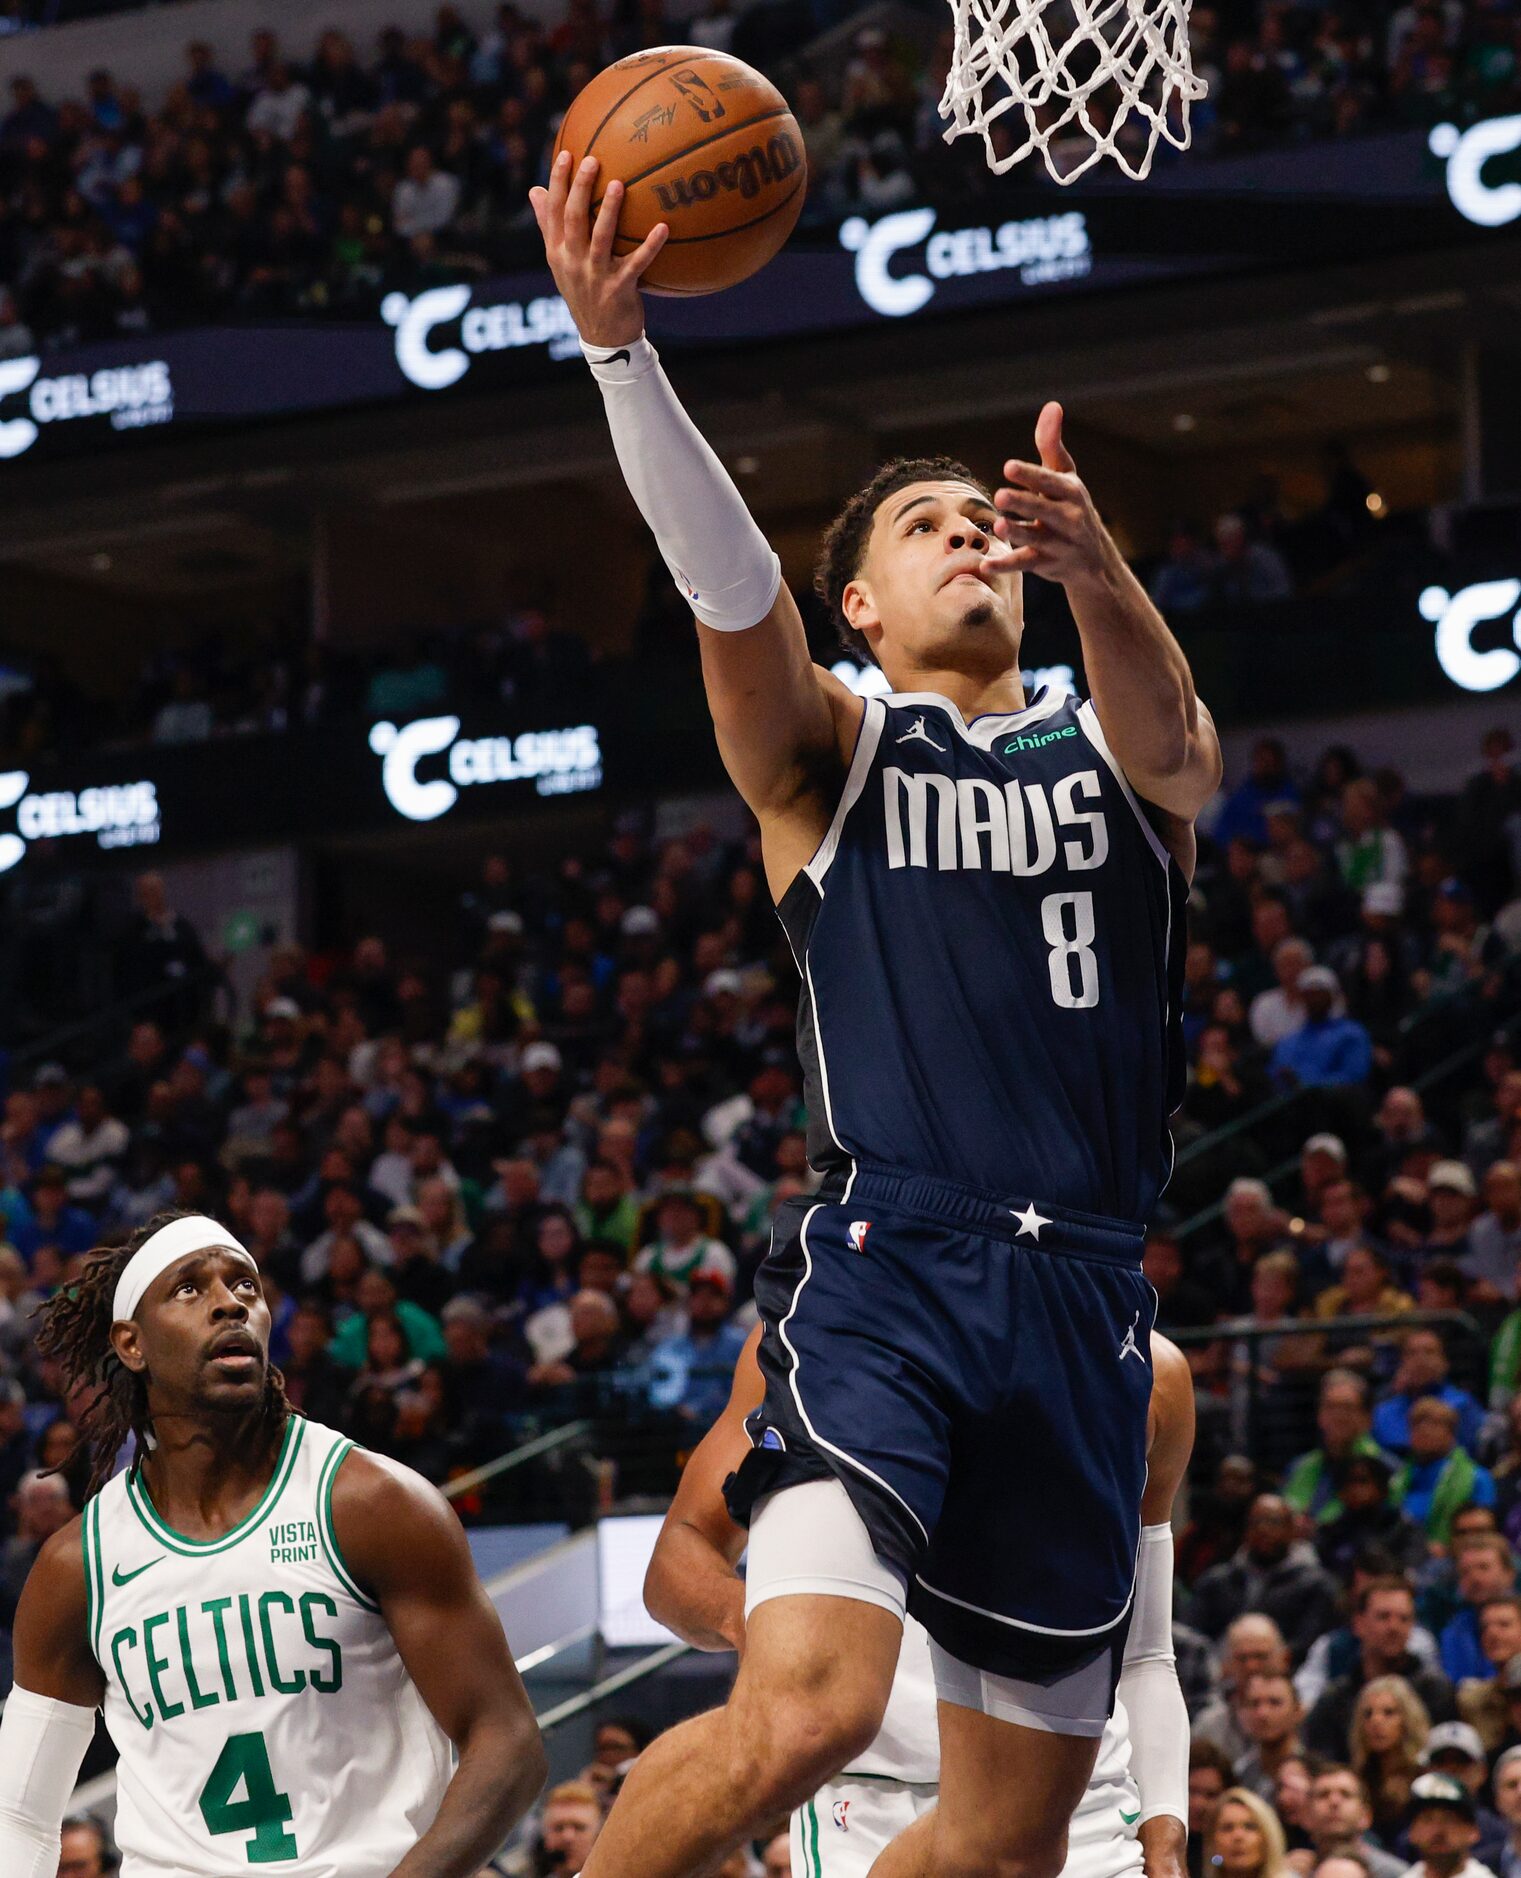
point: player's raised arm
(777, 715)
(692, 1586)
(50, 1716)
(407, 1549)
(1149, 1685)
(1161, 735)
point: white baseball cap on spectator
(724, 980)
(1454, 1177)
(639, 922)
(540, 1056)
(505, 921)
(1318, 978)
(1327, 1144)
(1453, 1737)
(1386, 897)
(282, 1008)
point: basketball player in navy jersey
(984, 893)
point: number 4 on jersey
(263, 1811)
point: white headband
(194, 1233)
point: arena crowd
(534, 1186)
(308, 179)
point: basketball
(702, 142)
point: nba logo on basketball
(841, 1808)
(858, 1230)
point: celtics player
(294, 1655)
(1132, 1820)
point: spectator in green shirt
(376, 1296)
(1343, 1418)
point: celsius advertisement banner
(1366, 196)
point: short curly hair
(844, 545)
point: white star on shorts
(1029, 1221)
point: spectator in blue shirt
(1440, 1475)
(691, 1371)
(1268, 781)
(1423, 1371)
(1326, 1051)
(49, 1219)
(1486, 1568)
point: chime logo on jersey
(858, 1230)
(975, 824)
(841, 1808)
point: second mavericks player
(1132, 1820)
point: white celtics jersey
(908, 1749)
(907, 1746)
(255, 1696)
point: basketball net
(1094, 78)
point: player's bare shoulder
(376, 1499)
(52, 1629)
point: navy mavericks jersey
(991, 940)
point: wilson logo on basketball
(773, 162)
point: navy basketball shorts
(975, 1372)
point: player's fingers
(554, 197)
(1060, 485)
(1054, 454)
(578, 205)
(644, 254)
(1023, 560)
(1028, 505)
(538, 201)
(606, 225)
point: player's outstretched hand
(1048, 522)
(600, 288)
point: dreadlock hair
(76, 1333)
(844, 545)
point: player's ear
(859, 608)
(125, 1342)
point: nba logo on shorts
(841, 1808)
(858, 1230)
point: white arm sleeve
(42, 1744)
(717, 556)
(1149, 1686)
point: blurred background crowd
(508, 1157)
(534, 1186)
(298, 178)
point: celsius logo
(505, 328)
(130, 395)
(1043, 248)
(1465, 152)
(1455, 616)
(559, 763)
(120, 815)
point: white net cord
(1094, 78)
